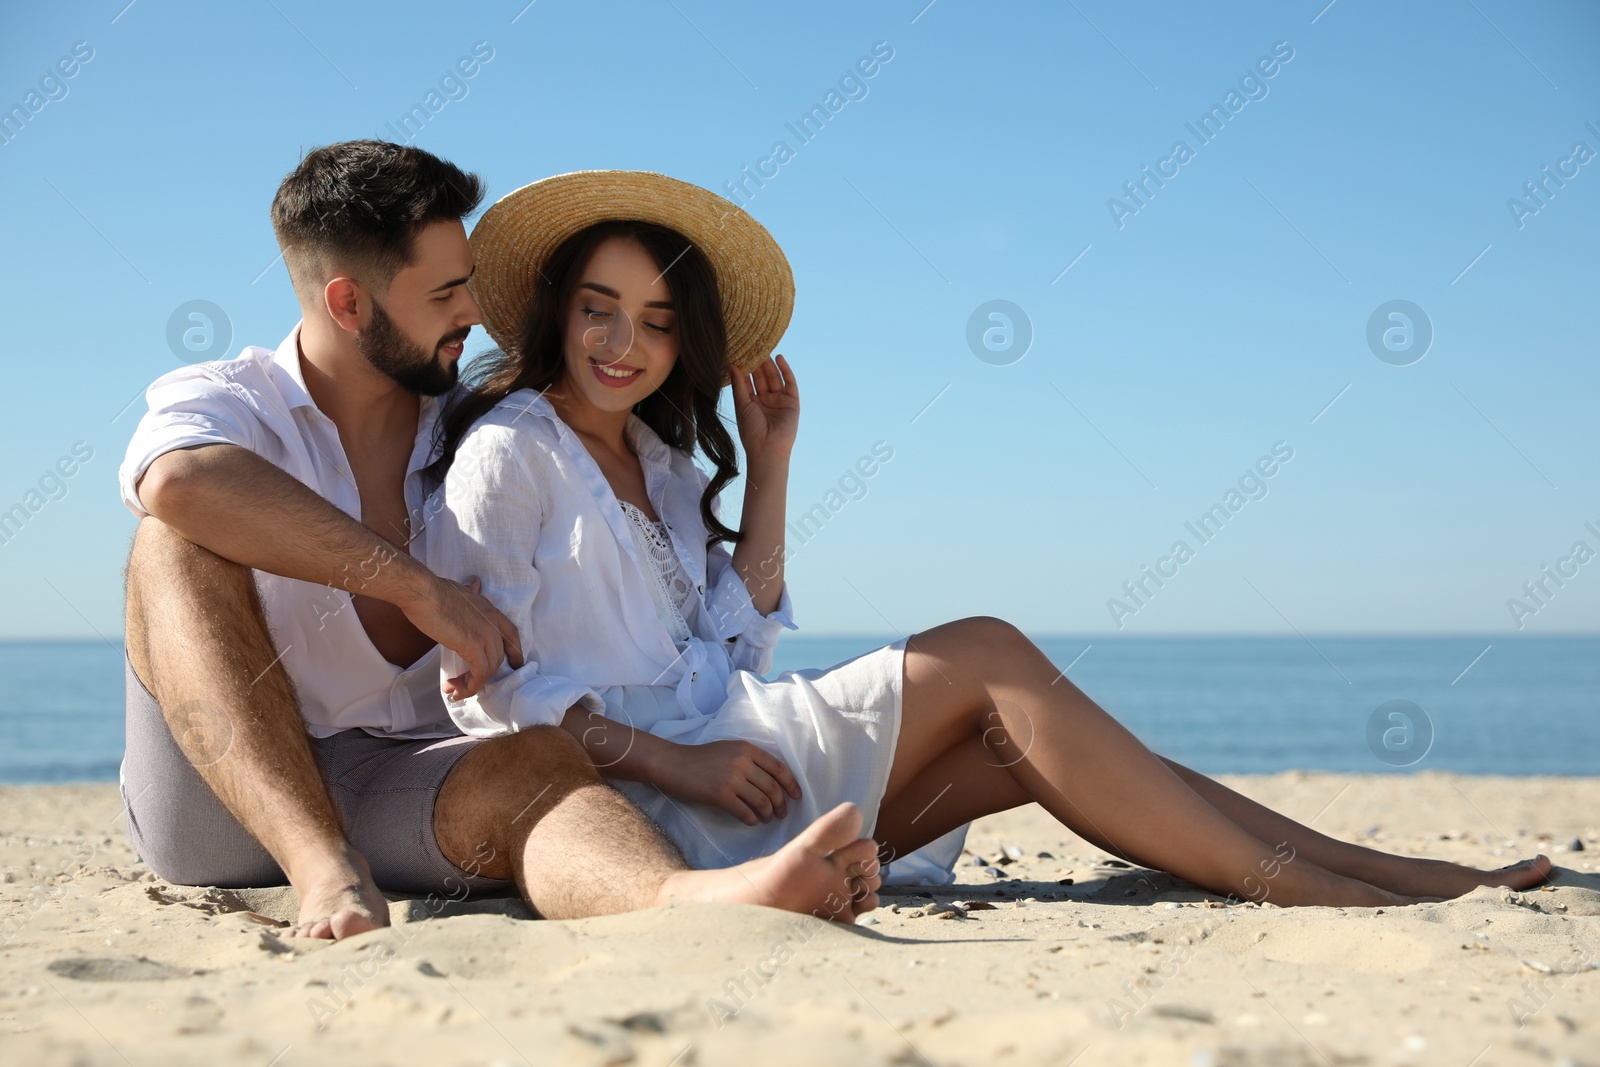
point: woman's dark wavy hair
(682, 412)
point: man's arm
(229, 500)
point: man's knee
(170, 578)
(528, 762)
(153, 542)
(498, 791)
(553, 754)
(162, 555)
(149, 560)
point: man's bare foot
(829, 871)
(339, 900)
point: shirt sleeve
(486, 523)
(187, 407)
(754, 636)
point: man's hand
(461, 619)
(736, 776)
(238, 505)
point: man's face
(420, 324)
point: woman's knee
(979, 638)
(992, 631)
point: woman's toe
(1529, 872)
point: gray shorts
(383, 789)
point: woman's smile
(614, 375)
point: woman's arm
(758, 558)
(767, 406)
(617, 749)
(746, 781)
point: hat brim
(515, 237)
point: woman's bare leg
(963, 783)
(1398, 874)
(969, 781)
(981, 678)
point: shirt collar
(428, 412)
(645, 442)
(295, 393)
(287, 357)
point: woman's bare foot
(1524, 874)
(829, 871)
(1445, 880)
(338, 899)
(1412, 880)
(1441, 880)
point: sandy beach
(101, 963)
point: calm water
(1530, 705)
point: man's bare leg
(198, 639)
(531, 807)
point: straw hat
(514, 238)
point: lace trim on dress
(669, 585)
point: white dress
(622, 615)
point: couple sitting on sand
(388, 632)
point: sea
(1495, 704)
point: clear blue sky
(1221, 316)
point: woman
(572, 496)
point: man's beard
(403, 360)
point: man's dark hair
(358, 205)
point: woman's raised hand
(766, 402)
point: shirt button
(693, 675)
(701, 588)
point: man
(284, 714)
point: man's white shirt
(259, 401)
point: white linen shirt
(527, 511)
(258, 400)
